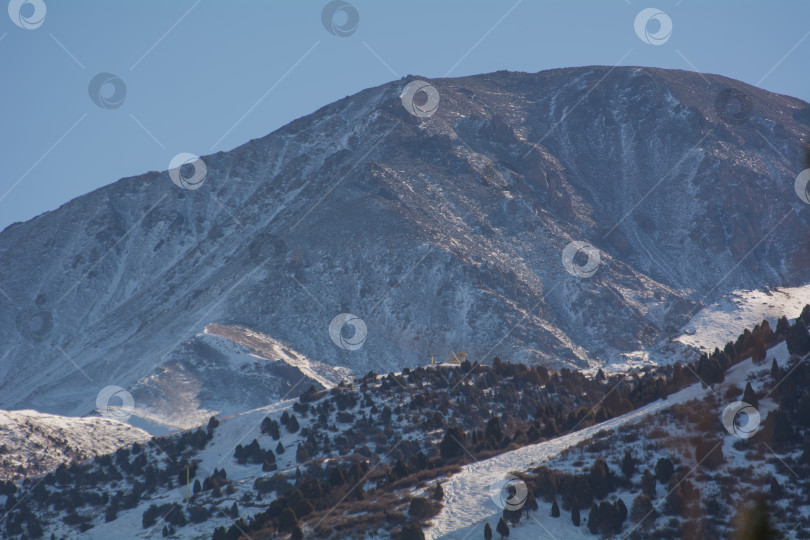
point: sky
(200, 76)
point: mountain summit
(444, 227)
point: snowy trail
(466, 495)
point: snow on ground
(40, 442)
(263, 346)
(716, 325)
(207, 375)
(467, 501)
(236, 429)
(720, 323)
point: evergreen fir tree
(749, 396)
(502, 529)
(798, 340)
(438, 493)
(628, 465)
(555, 509)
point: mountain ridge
(442, 232)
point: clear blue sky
(193, 69)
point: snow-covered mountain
(442, 232)
(32, 443)
(390, 455)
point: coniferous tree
(599, 479)
(642, 509)
(775, 370)
(555, 509)
(452, 443)
(798, 339)
(621, 511)
(531, 503)
(575, 517)
(782, 327)
(776, 489)
(502, 529)
(593, 519)
(758, 350)
(336, 477)
(749, 396)
(709, 454)
(412, 531)
(487, 532)
(805, 315)
(663, 470)
(287, 520)
(438, 493)
(493, 431)
(628, 465)
(648, 484)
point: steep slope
(352, 461)
(32, 443)
(442, 233)
(223, 371)
(468, 495)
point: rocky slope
(442, 233)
